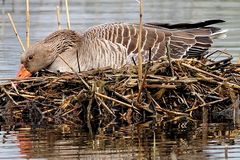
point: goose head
(42, 54)
(38, 56)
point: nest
(169, 88)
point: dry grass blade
(160, 109)
(169, 58)
(106, 107)
(8, 95)
(85, 83)
(67, 13)
(140, 44)
(202, 71)
(58, 17)
(27, 24)
(115, 100)
(15, 31)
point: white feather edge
(222, 34)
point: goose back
(183, 42)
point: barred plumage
(116, 44)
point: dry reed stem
(27, 24)
(205, 121)
(66, 63)
(8, 95)
(115, 100)
(49, 110)
(142, 83)
(106, 107)
(71, 110)
(140, 76)
(58, 17)
(202, 71)
(140, 44)
(236, 105)
(89, 115)
(169, 58)
(159, 108)
(14, 87)
(123, 97)
(212, 102)
(85, 83)
(15, 31)
(67, 13)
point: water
(149, 140)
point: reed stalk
(140, 76)
(140, 44)
(204, 72)
(115, 100)
(58, 17)
(169, 58)
(67, 13)
(27, 24)
(85, 83)
(15, 31)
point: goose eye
(30, 58)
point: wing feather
(183, 41)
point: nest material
(179, 88)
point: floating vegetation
(184, 88)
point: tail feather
(203, 36)
(188, 39)
(221, 34)
(187, 25)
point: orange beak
(23, 73)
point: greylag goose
(116, 44)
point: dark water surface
(149, 140)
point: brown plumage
(116, 44)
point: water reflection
(86, 13)
(110, 143)
(148, 140)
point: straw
(15, 31)
(140, 77)
(27, 24)
(85, 83)
(58, 18)
(140, 45)
(67, 13)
